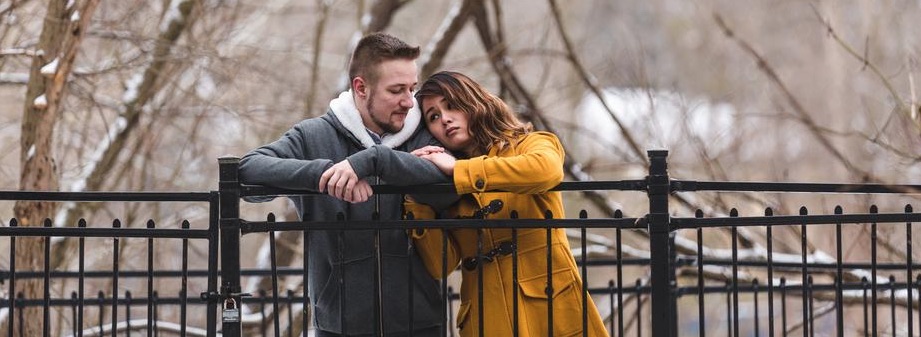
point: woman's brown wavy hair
(491, 122)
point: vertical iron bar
(12, 305)
(115, 246)
(735, 274)
(101, 300)
(81, 279)
(611, 304)
(873, 269)
(214, 217)
(290, 303)
(451, 312)
(755, 297)
(811, 308)
(639, 309)
(445, 314)
(150, 284)
(770, 272)
(73, 309)
(274, 266)
(128, 314)
(892, 302)
(663, 302)
(184, 285)
(46, 308)
(701, 314)
(409, 276)
(514, 215)
(156, 318)
(229, 186)
(839, 279)
(479, 279)
(805, 269)
(908, 271)
(729, 313)
(620, 277)
(866, 324)
(783, 306)
(584, 215)
(21, 302)
(340, 256)
(549, 290)
(306, 263)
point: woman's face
(447, 123)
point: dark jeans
(434, 331)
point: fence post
(658, 188)
(231, 301)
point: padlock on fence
(231, 311)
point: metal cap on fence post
(229, 188)
(658, 188)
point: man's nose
(407, 101)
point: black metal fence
(685, 280)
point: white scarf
(344, 109)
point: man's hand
(341, 182)
(443, 160)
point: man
(374, 266)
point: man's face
(387, 101)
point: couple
(375, 134)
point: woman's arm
(535, 166)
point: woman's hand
(443, 160)
(428, 149)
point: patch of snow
(131, 87)
(172, 15)
(658, 119)
(70, 4)
(75, 16)
(40, 102)
(50, 68)
(17, 78)
(31, 152)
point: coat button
(480, 183)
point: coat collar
(343, 107)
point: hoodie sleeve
(395, 167)
(284, 163)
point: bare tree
(62, 34)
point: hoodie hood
(343, 108)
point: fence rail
(699, 275)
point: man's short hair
(374, 49)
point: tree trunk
(61, 36)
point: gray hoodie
(296, 161)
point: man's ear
(360, 87)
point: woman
(497, 152)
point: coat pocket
(567, 304)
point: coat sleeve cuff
(470, 175)
(363, 162)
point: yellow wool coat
(525, 170)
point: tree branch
(794, 103)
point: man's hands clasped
(341, 182)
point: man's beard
(383, 124)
